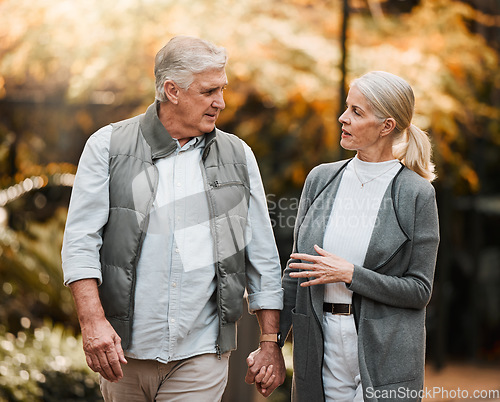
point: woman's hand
(325, 268)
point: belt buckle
(348, 313)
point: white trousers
(341, 377)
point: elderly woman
(365, 245)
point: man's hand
(103, 350)
(101, 344)
(266, 368)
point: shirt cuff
(81, 269)
(272, 300)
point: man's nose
(219, 101)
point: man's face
(199, 106)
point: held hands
(103, 350)
(266, 368)
(325, 268)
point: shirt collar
(193, 143)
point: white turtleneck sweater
(354, 215)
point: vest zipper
(211, 206)
(217, 184)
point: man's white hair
(183, 57)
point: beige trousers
(199, 378)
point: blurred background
(69, 67)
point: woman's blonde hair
(391, 96)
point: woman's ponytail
(415, 151)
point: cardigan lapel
(312, 231)
(388, 236)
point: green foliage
(46, 364)
(32, 281)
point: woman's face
(361, 129)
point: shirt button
(178, 184)
(174, 284)
(172, 320)
(176, 250)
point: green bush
(47, 364)
(32, 279)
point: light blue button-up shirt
(175, 313)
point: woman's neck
(375, 156)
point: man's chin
(208, 128)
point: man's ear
(171, 91)
(388, 127)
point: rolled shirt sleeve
(88, 211)
(263, 264)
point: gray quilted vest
(133, 181)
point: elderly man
(167, 224)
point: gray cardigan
(391, 289)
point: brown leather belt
(338, 308)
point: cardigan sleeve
(413, 289)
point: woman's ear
(388, 127)
(171, 91)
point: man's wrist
(271, 338)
